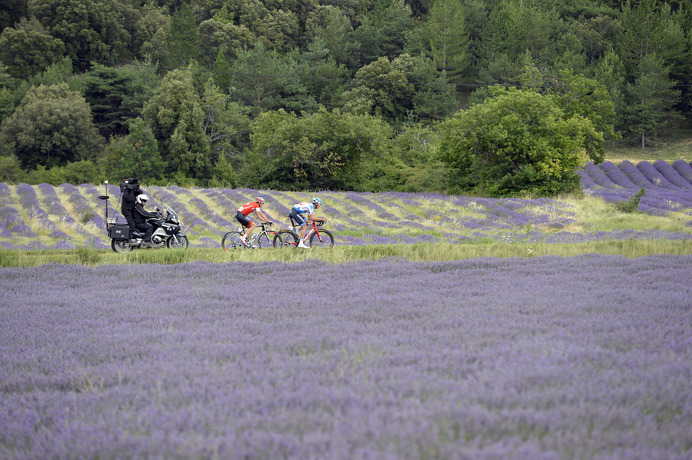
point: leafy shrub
(516, 143)
(631, 205)
(77, 172)
(10, 170)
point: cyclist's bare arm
(262, 216)
(312, 217)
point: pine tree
(183, 44)
(222, 73)
(651, 99)
(448, 38)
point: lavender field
(68, 216)
(668, 186)
(587, 357)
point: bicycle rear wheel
(324, 240)
(269, 240)
(290, 239)
(231, 240)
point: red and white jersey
(249, 207)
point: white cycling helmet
(317, 201)
(260, 200)
(142, 197)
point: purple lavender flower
(82, 206)
(684, 169)
(596, 175)
(4, 231)
(484, 358)
(659, 199)
(52, 203)
(13, 222)
(209, 215)
(654, 176)
(585, 181)
(617, 175)
(29, 201)
(671, 174)
(634, 175)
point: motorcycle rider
(141, 215)
(130, 189)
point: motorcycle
(166, 232)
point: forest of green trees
(496, 96)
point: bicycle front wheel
(231, 240)
(290, 239)
(269, 240)
(323, 240)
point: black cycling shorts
(243, 219)
(299, 219)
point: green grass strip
(414, 252)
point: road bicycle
(315, 236)
(261, 239)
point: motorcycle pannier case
(119, 232)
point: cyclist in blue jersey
(303, 213)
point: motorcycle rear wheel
(177, 242)
(120, 246)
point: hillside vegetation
(368, 95)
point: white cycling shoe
(303, 245)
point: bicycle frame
(231, 240)
(262, 231)
(312, 229)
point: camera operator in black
(141, 215)
(130, 189)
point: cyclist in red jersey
(242, 217)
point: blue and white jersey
(305, 207)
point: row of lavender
(668, 187)
(367, 218)
(544, 358)
(68, 216)
(61, 218)
(208, 213)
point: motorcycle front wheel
(177, 242)
(120, 246)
